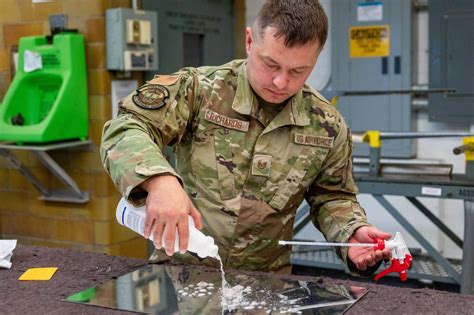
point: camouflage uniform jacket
(245, 177)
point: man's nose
(280, 80)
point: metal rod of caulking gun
(327, 244)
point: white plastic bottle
(134, 219)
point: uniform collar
(246, 103)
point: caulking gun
(401, 258)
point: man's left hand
(364, 257)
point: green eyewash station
(46, 108)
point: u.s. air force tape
(316, 141)
(151, 96)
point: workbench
(81, 270)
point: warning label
(369, 41)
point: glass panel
(192, 290)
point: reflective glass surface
(162, 289)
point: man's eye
(271, 66)
(297, 73)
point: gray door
(367, 71)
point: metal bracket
(467, 284)
(71, 194)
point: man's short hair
(299, 21)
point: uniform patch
(164, 79)
(315, 141)
(225, 121)
(151, 96)
(262, 165)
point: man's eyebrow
(302, 67)
(270, 59)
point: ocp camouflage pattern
(246, 175)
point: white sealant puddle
(240, 297)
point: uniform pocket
(300, 176)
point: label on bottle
(134, 221)
(131, 218)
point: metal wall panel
(452, 60)
(393, 72)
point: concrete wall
(91, 226)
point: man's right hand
(167, 208)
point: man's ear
(248, 39)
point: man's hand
(167, 208)
(364, 257)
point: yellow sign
(369, 41)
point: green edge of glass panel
(83, 296)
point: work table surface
(81, 270)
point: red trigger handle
(396, 266)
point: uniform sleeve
(332, 196)
(155, 115)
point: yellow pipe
(470, 151)
(372, 137)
